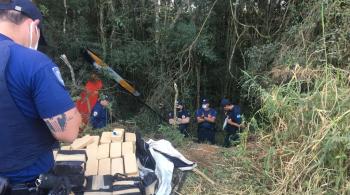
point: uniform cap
(225, 102)
(29, 9)
(179, 102)
(205, 101)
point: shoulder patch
(57, 73)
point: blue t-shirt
(99, 116)
(30, 173)
(37, 89)
(181, 114)
(201, 112)
(35, 83)
(235, 116)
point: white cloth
(165, 167)
(164, 172)
(167, 148)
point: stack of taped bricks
(113, 153)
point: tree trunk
(175, 100)
(111, 15)
(198, 76)
(65, 16)
(157, 26)
(102, 29)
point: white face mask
(205, 106)
(35, 47)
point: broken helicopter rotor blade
(104, 68)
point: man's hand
(65, 127)
(178, 121)
(210, 118)
(201, 118)
(242, 126)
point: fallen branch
(175, 104)
(203, 175)
(65, 60)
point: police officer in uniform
(182, 118)
(232, 122)
(36, 111)
(100, 113)
(206, 117)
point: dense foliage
(287, 62)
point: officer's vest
(22, 139)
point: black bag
(63, 168)
(143, 153)
(127, 185)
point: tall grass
(303, 119)
(307, 134)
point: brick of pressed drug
(104, 166)
(133, 175)
(117, 135)
(130, 137)
(96, 140)
(81, 143)
(124, 183)
(106, 137)
(65, 147)
(127, 148)
(130, 165)
(117, 166)
(116, 150)
(97, 193)
(127, 191)
(71, 157)
(91, 167)
(103, 151)
(91, 151)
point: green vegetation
(286, 61)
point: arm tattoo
(57, 124)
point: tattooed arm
(65, 127)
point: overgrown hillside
(285, 62)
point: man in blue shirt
(36, 110)
(182, 118)
(232, 123)
(206, 117)
(100, 113)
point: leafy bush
(171, 134)
(260, 57)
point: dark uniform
(232, 131)
(206, 130)
(181, 114)
(99, 116)
(31, 90)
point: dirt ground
(203, 154)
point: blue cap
(205, 101)
(179, 102)
(29, 9)
(225, 102)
